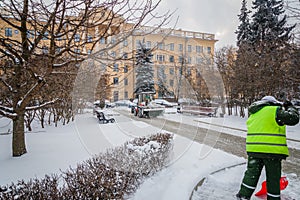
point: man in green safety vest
(266, 144)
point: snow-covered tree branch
(58, 36)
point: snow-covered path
(53, 149)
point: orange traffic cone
(283, 184)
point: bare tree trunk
(43, 122)
(42, 117)
(49, 118)
(28, 118)
(18, 142)
(28, 125)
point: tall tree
(144, 70)
(270, 37)
(269, 24)
(57, 33)
(163, 90)
(224, 59)
(293, 16)
(243, 30)
(244, 63)
(293, 78)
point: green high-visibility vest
(264, 134)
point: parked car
(108, 104)
(125, 103)
(164, 102)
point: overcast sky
(218, 17)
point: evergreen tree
(243, 64)
(162, 82)
(267, 24)
(270, 49)
(264, 52)
(144, 70)
(244, 27)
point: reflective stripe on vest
(264, 134)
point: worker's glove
(287, 104)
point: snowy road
(229, 143)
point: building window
(198, 60)
(89, 51)
(90, 38)
(160, 58)
(171, 71)
(113, 40)
(208, 62)
(125, 55)
(180, 47)
(189, 60)
(189, 48)
(171, 82)
(8, 32)
(116, 95)
(125, 69)
(30, 34)
(59, 38)
(161, 71)
(113, 54)
(189, 71)
(171, 58)
(116, 67)
(46, 35)
(125, 81)
(148, 44)
(102, 40)
(160, 45)
(45, 50)
(125, 95)
(172, 47)
(116, 80)
(125, 43)
(138, 44)
(180, 59)
(199, 49)
(209, 50)
(77, 38)
(58, 49)
(16, 32)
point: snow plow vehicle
(145, 107)
(147, 111)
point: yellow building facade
(177, 54)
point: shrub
(112, 175)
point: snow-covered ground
(52, 150)
(233, 125)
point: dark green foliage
(243, 30)
(144, 70)
(263, 62)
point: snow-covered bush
(46, 188)
(143, 156)
(112, 175)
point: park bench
(102, 118)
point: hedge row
(115, 174)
